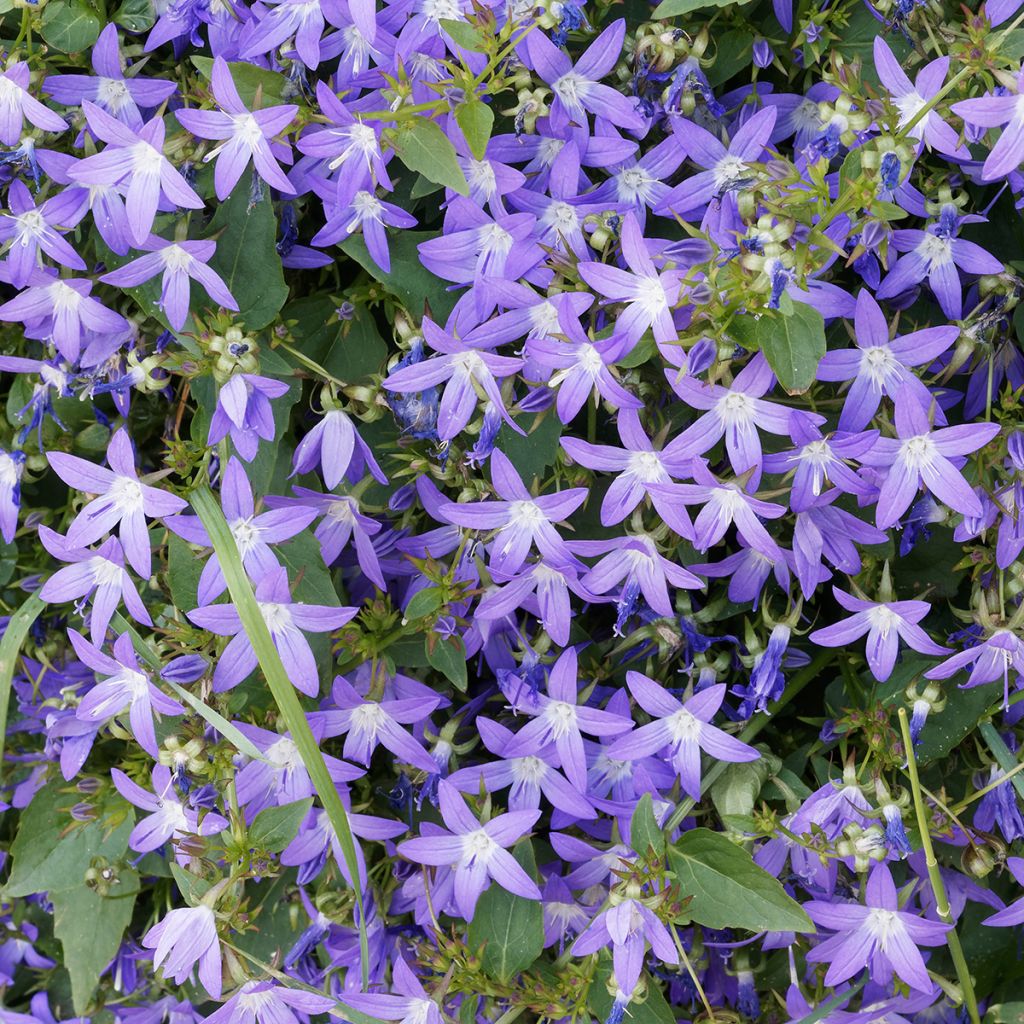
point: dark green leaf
(671, 8)
(192, 887)
(70, 26)
(14, 635)
(644, 831)
(728, 890)
(653, 1009)
(736, 790)
(422, 146)
(1005, 1013)
(249, 79)
(448, 656)
(423, 603)
(476, 120)
(733, 51)
(136, 15)
(535, 451)
(350, 350)
(793, 345)
(275, 827)
(184, 568)
(508, 928)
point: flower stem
(935, 877)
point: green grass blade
(10, 647)
(284, 694)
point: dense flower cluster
(511, 511)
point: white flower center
(728, 171)
(919, 452)
(560, 716)
(525, 515)
(247, 130)
(277, 616)
(570, 89)
(477, 845)
(937, 251)
(284, 754)
(126, 493)
(646, 467)
(176, 259)
(634, 184)
(683, 727)
(114, 95)
(883, 925)
(529, 769)
(246, 535)
(480, 175)
(650, 295)
(883, 618)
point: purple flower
(409, 1003)
(184, 937)
(16, 104)
(682, 729)
(335, 446)
(878, 936)
(125, 687)
(296, 21)
(31, 229)
(363, 211)
(989, 660)
(476, 853)
(123, 500)
(12, 465)
(245, 134)
(243, 411)
(266, 1002)
(180, 263)
(1014, 913)
(991, 112)
(885, 623)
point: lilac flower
(180, 263)
(100, 573)
(878, 936)
(683, 729)
(31, 229)
(989, 660)
(266, 1002)
(991, 112)
(119, 96)
(578, 89)
(878, 366)
(921, 455)
(885, 623)
(244, 411)
(184, 937)
(123, 499)
(365, 212)
(126, 686)
(136, 160)
(253, 533)
(999, 807)
(335, 446)
(285, 619)
(245, 134)
(476, 853)
(12, 465)
(16, 104)
(1014, 913)
(409, 1004)
(520, 519)
(296, 20)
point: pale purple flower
(1014, 913)
(988, 661)
(183, 938)
(364, 212)
(885, 623)
(476, 853)
(179, 263)
(297, 22)
(244, 134)
(991, 112)
(12, 465)
(334, 445)
(682, 729)
(244, 411)
(17, 104)
(30, 230)
(878, 936)
(267, 1002)
(408, 1003)
(286, 619)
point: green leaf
(508, 929)
(671, 8)
(71, 27)
(535, 451)
(90, 927)
(653, 1010)
(136, 15)
(728, 889)
(15, 632)
(351, 350)
(793, 345)
(246, 257)
(738, 787)
(423, 603)
(448, 656)
(192, 887)
(948, 728)
(275, 827)
(1005, 1013)
(733, 51)
(184, 567)
(249, 79)
(476, 119)
(305, 563)
(209, 512)
(466, 35)
(644, 831)
(422, 146)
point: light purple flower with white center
(988, 661)
(936, 254)
(334, 445)
(578, 89)
(267, 1002)
(366, 213)
(990, 112)
(180, 263)
(1013, 914)
(168, 818)
(367, 724)
(648, 294)
(681, 728)
(244, 411)
(639, 185)
(923, 456)
(12, 465)
(183, 938)
(286, 619)
(910, 98)
(725, 503)
(462, 369)
(627, 927)
(885, 623)
(136, 160)
(736, 413)
(254, 534)
(558, 719)
(17, 104)
(726, 169)
(521, 520)
(109, 88)
(298, 22)
(100, 573)
(123, 499)
(818, 462)
(408, 1003)
(62, 309)
(527, 768)
(29, 229)
(877, 935)
(244, 134)
(879, 366)
(125, 686)
(477, 854)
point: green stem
(211, 516)
(935, 877)
(1001, 752)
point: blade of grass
(284, 694)
(10, 647)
